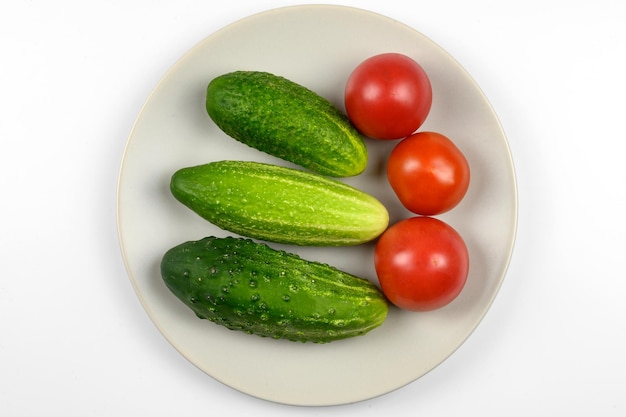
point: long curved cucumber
(279, 204)
(248, 286)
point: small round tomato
(428, 173)
(388, 96)
(422, 263)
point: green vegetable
(249, 286)
(286, 120)
(279, 204)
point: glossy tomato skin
(422, 263)
(388, 96)
(428, 173)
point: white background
(74, 339)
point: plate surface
(317, 46)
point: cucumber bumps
(284, 119)
(279, 204)
(251, 287)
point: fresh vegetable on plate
(388, 96)
(280, 204)
(428, 173)
(248, 286)
(286, 120)
(422, 263)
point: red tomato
(428, 173)
(388, 96)
(422, 263)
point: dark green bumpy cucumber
(248, 286)
(280, 204)
(287, 120)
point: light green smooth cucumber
(287, 120)
(280, 204)
(248, 286)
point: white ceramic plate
(316, 46)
